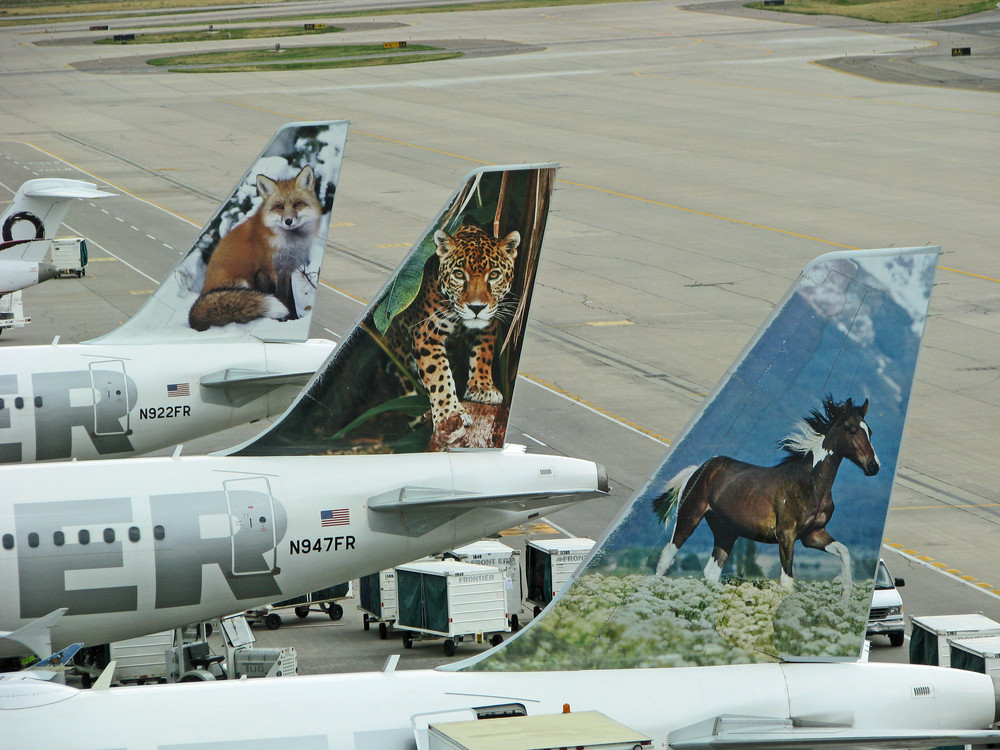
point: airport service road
(705, 160)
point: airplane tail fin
(826, 378)
(254, 269)
(432, 362)
(39, 206)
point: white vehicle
(885, 616)
(689, 662)
(498, 555)
(451, 600)
(223, 340)
(12, 314)
(28, 226)
(69, 256)
(549, 565)
(357, 475)
(378, 600)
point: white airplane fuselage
(135, 546)
(116, 400)
(386, 710)
(20, 274)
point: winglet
(432, 362)
(254, 269)
(824, 384)
(39, 206)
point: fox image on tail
(249, 275)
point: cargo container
(549, 564)
(378, 600)
(507, 560)
(451, 600)
(929, 635)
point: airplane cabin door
(253, 532)
(111, 398)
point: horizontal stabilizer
(413, 511)
(37, 634)
(736, 732)
(59, 188)
(235, 377)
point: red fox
(249, 275)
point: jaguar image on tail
(468, 295)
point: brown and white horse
(776, 504)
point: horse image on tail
(774, 504)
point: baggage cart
(981, 654)
(451, 600)
(323, 600)
(498, 555)
(929, 635)
(69, 256)
(549, 564)
(377, 593)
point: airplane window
(133, 534)
(38, 401)
(1, 403)
(8, 541)
(18, 403)
(109, 535)
(32, 539)
(158, 533)
(84, 536)
(59, 539)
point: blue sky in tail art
(850, 327)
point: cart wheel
(449, 647)
(365, 623)
(496, 640)
(515, 624)
(335, 612)
(407, 639)
(896, 639)
(273, 621)
(383, 631)
(302, 612)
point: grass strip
(882, 11)
(204, 35)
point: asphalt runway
(705, 160)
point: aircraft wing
(745, 732)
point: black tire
(536, 611)
(272, 621)
(335, 612)
(515, 624)
(449, 647)
(302, 612)
(896, 639)
(365, 622)
(383, 631)
(407, 640)
(496, 640)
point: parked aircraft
(28, 225)
(680, 659)
(222, 341)
(342, 485)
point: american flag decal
(340, 517)
(178, 389)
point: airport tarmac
(705, 160)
